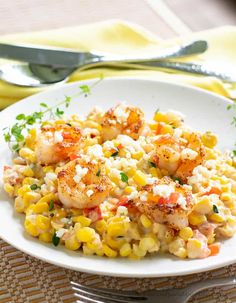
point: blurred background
(167, 18)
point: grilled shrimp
(178, 157)
(122, 119)
(82, 183)
(167, 202)
(56, 143)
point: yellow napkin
(119, 37)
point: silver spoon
(35, 75)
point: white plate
(203, 110)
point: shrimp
(56, 143)
(167, 202)
(177, 156)
(122, 119)
(82, 183)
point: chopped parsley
(85, 89)
(234, 153)
(178, 180)
(51, 205)
(115, 154)
(124, 177)
(152, 164)
(98, 173)
(215, 209)
(34, 187)
(55, 239)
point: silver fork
(176, 295)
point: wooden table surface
(182, 15)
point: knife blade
(57, 57)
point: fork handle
(201, 285)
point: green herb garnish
(124, 177)
(178, 180)
(51, 205)
(55, 239)
(34, 186)
(233, 122)
(234, 153)
(215, 209)
(115, 154)
(15, 135)
(152, 164)
(98, 173)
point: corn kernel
(45, 237)
(114, 243)
(19, 205)
(28, 154)
(128, 189)
(30, 181)
(186, 233)
(47, 198)
(109, 252)
(146, 222)
(147, 244)
(209, 139)
(48, 169)
(195, 219)
(28, 172)
(226, 197)
(22, 190)
(216, 218)
(82, 220)
(9, 189)
(137, 155)
(131, 172)
(181, 253)
(41, 207)
(167, 129)
(31, 228)
(93, 245)
(30, 197)
(85, 234)
(43, 223)
(160, 117)
(72, 243)
(125, 250)
(140, 178)
(138, 251)
(203, 206)
(116, 229)
(101, 226)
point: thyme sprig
(15, 135)
(233, 122)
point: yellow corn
(30, 139)
(47, 198)
(30, 197)
(160, 117)
(116, 229)
(22, 190)
(109, 252)
(30, 181)
(28, 172)
(146, 222)
(216, 218)
(226, 197)
(195, 244)
(209, 139)
(41, 207)
(140, 178)
(167, 129)
(72, 243)
(114, 243)
(82, 220)
(43, 223)
(186, 233)
(125, 250)
(181, 253)
(92, 124)
(138, 251)
(131, 172)
(28, 154)
(137, 155)
(203, 206)
(19, 205)
(196, 219)
(128, 189)
(85, 234)
(31, 228)
(45, 237)
(9, 189)
(147, 243)
(48, 169)
(101, 226)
